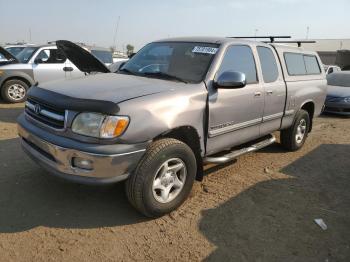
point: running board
(236, 153)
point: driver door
(235, 115)
(49, 65)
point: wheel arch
(16, 75)
(188, 135)
(309, 106)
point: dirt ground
(260, 208)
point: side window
(295, 64)
(268, 64)
(311, 65)
(240, 59)
(50, 56)
(299, 64)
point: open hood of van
(11, 59)
(81, 58)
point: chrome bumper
(106, 168)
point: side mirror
(230, 79)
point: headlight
(346, 99)
(99, 125)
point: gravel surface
(260, 208)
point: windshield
(187, 62)
(15, 50)
(26, 54)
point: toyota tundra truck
(176, 105)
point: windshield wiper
(165, 75)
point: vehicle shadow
(274, 220)
(30, 197)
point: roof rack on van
(295, 42)
(271, 37)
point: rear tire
(163, 179)
(294, 137)
(14, 91)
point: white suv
(38, 63)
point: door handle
(257, 94)
(68, 69)
(269, 92)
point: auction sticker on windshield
(205, 50)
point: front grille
(45, 114)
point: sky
(95, 21)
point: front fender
(151, 116)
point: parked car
(176, 104)
(39, 63)
(329, 69)
(338, 93)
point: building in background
(332, 51)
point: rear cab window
(268, 64)
(299, 64)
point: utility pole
(307, 32)
(115, 34)
(30, 35)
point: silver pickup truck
(174, 106)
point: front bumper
(107, 168)
(337, 108)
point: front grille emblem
(37, 109)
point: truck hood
(113, 87)
(11, 59)
(81, 58)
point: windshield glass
(26, 54)
(187, 62)
(15, 50)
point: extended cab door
(274, 88)
(235, 115)
(48, 65)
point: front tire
(294, 137)
(14, 91)
(163, 179)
